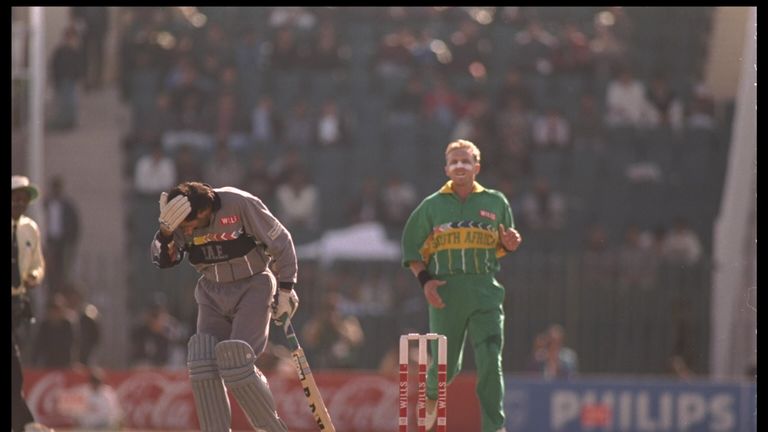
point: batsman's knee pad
(211, 400)
(235, 360)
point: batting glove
(284, 305)
(173, 213)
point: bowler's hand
(509, 237)
(430, 292)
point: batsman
(452, 243)
(231, 239)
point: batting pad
(248, 385)
(211, 400)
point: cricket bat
(308, 384)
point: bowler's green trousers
(474, 307)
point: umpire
(27, 271)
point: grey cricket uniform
(233, 255)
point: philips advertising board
(616, 404)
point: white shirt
(102, 410)
(551, 131)
(682, 246)
(328, 130)
(297, 207)
(54, 219)
(626, 104)
(153, 175)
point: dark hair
(200, 195)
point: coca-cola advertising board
(158, 399)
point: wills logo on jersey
(228, 220)
(488, 215)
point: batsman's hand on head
(284, 305)
(173, 213)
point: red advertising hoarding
(158, 399)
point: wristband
(163, 239)
(288, 286)
(424, 277)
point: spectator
(701, 114)
(160, 119)
(513, 122)
(637, 263)
(332, 129)
(300, 128)
(398, 199)
(513, 87)
(536, 49)
(551, 130)
(87, 326)
(608, 46)
(333, 340)
(188, 166)
(66, 72)
(588, 126)
(366, 205)
(224, 168)
(297, 203)
(62, 235)
(281, 169)
(405, 106)
(250, 56)
(276, 359)
(680, 368)
(216, 45)
(155, 172)
(598, 262)
(573, 57)
(326, 53)
(681, 244)
(188, 97)
(665, 108)
(544, 210)
(94, 22)
(144, 80)
(393, 59)
(286, 54)
(442, 104)
(625, 101)
(229, 125)
(55, 340)
(292, 17)
(476, 123)
(258, 180)
(421, 50)
(153, 339)
(561, 361)
(469, 49)
(266, 125)
(539, 352)
(102, 409)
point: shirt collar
(448, 187)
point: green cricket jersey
(452, 237)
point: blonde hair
(464, 145)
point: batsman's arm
(165, 251)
